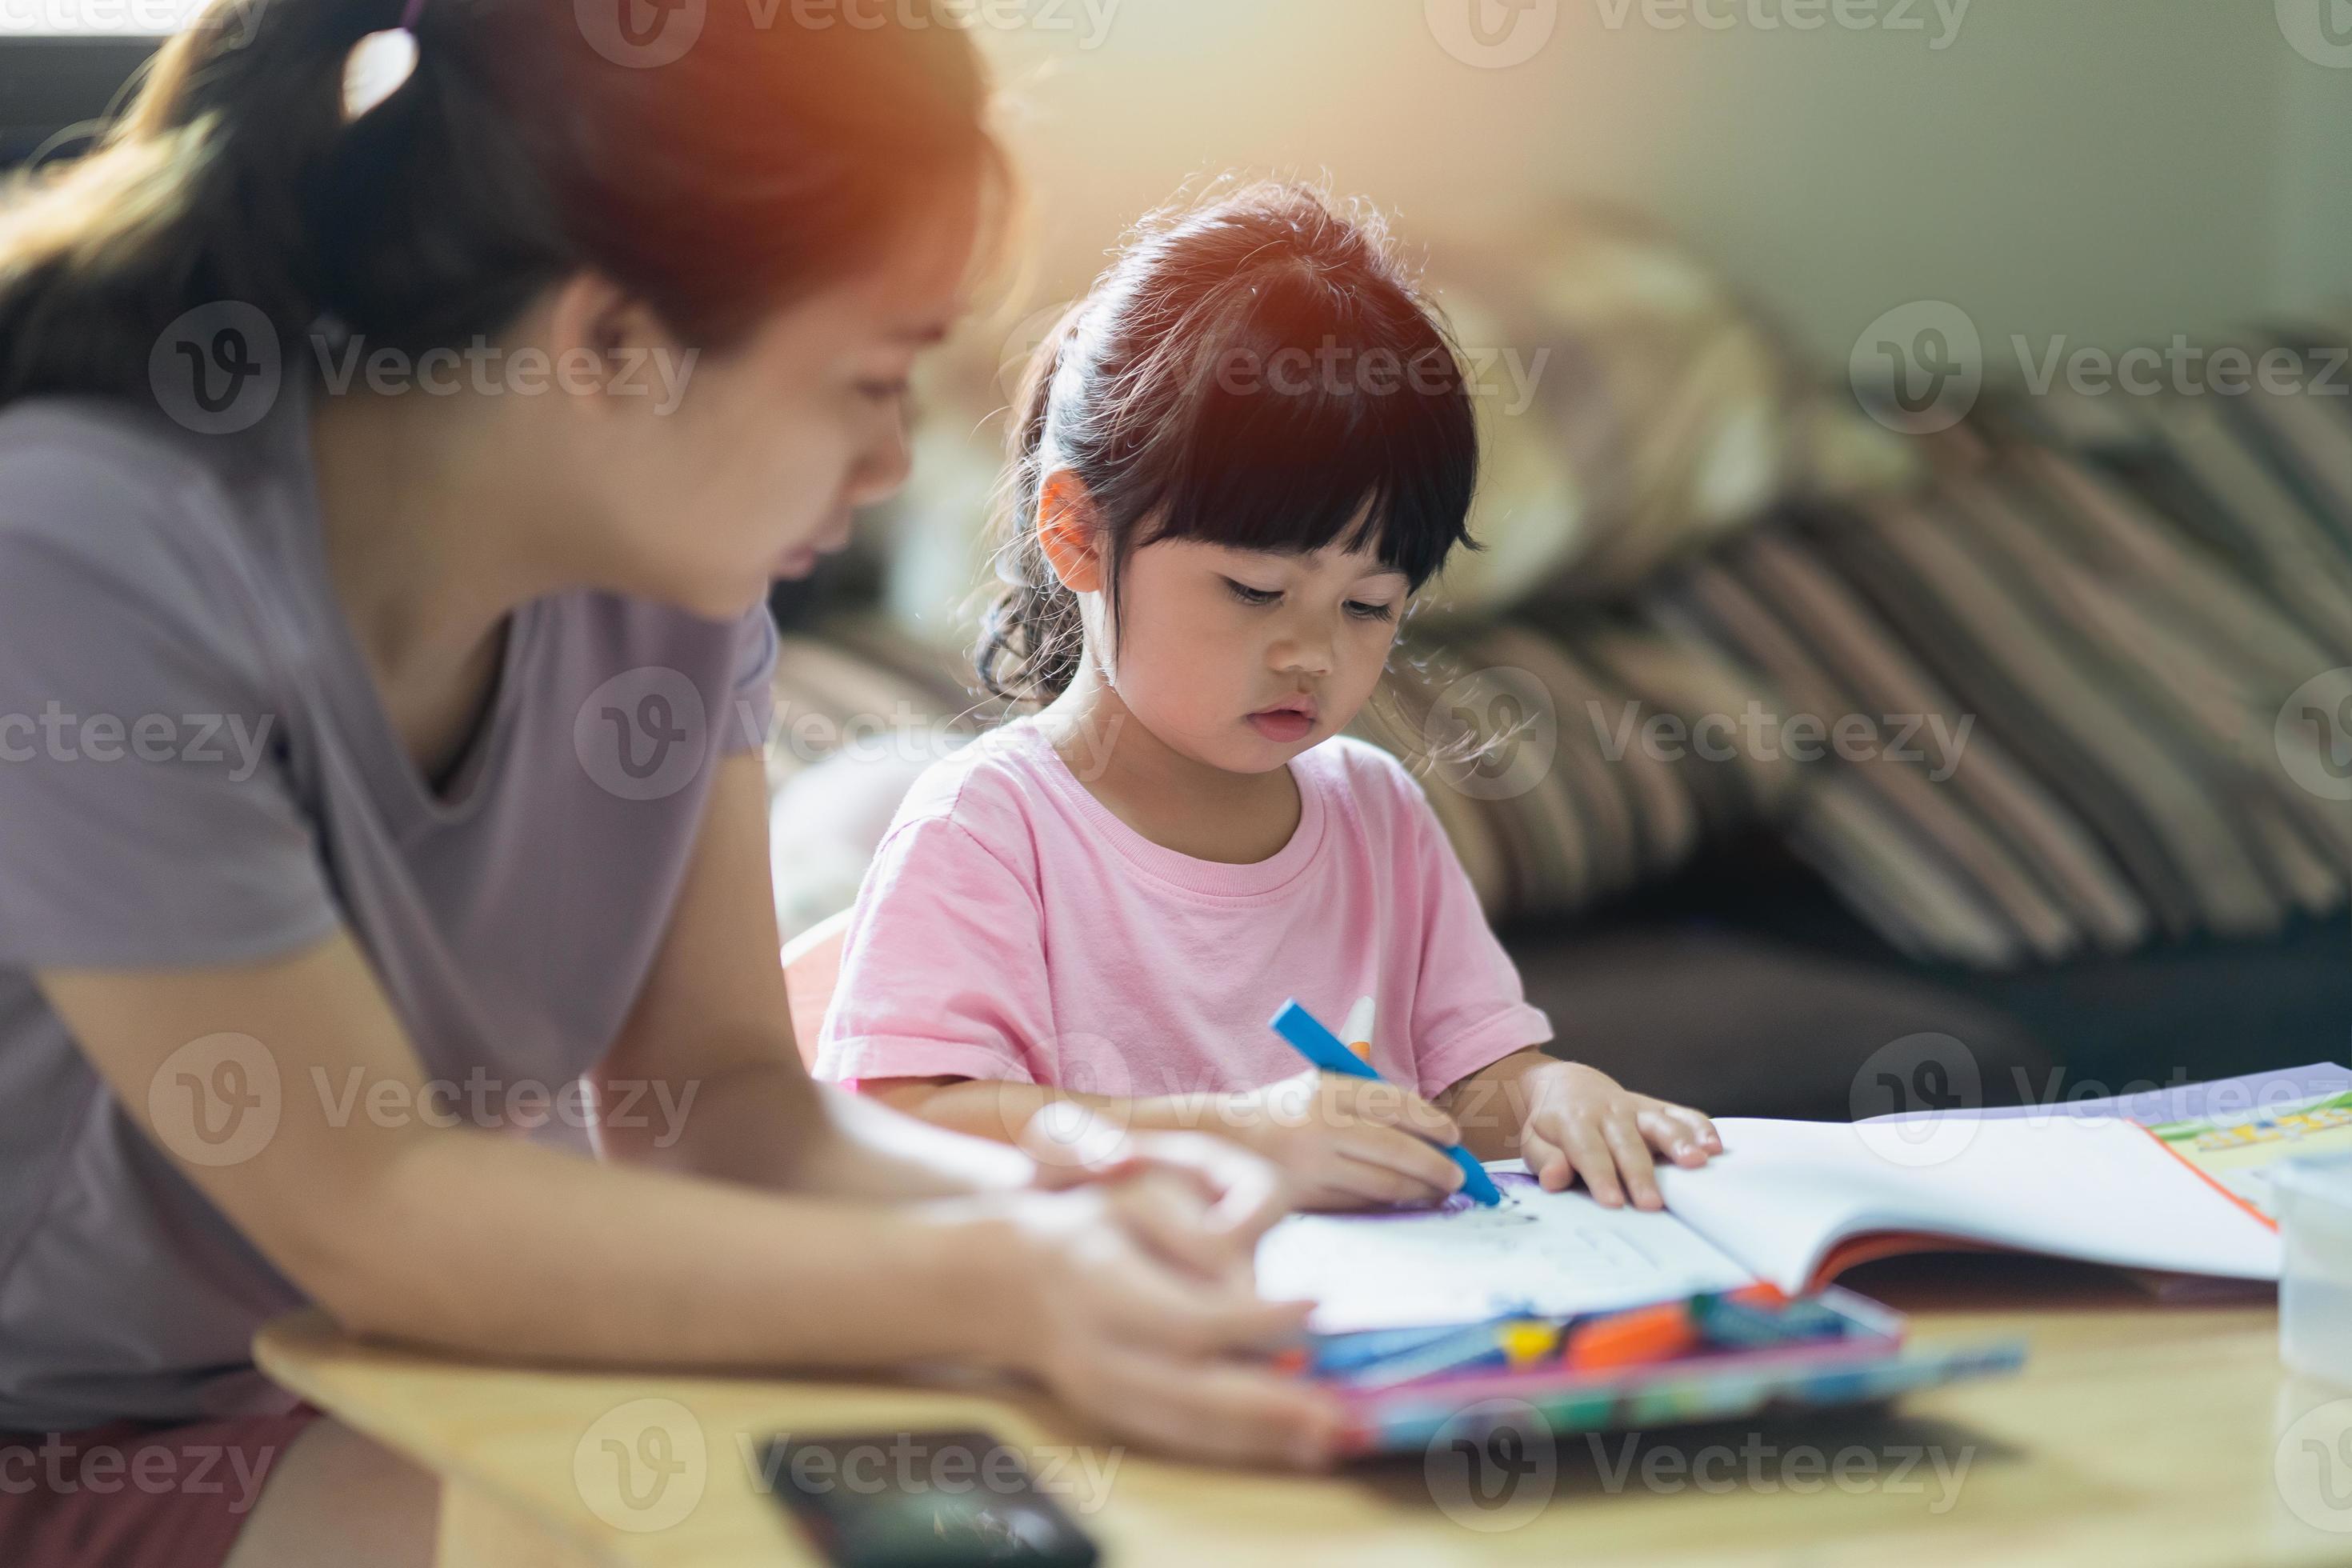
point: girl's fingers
(1588, 1151)
(1386, 1105)
(1426, 1173)
(1670, 1132)
(1546, 1161)
(1634, 1167)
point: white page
(1541, 1252)
(1784, 1193)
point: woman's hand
(1088, 1300)
(1582, 1123)
(1074, 1146)
(1345, 1143)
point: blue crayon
(1319, 1045)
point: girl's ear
(1069, 531)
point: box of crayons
(1712, 1357)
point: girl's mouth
(1291, 721)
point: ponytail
(1032, 635)
(716, 184)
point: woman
(387, 506)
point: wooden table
(2138, 1432)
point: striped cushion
(1527, 743)
(2120, 628)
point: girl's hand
(1346, 1143)
(1087, 1301)
(1582, 1123)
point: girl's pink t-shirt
(1012, 928)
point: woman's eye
(1249, 595)
(1364, 612)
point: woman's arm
(403, 1221)
(706, 1077)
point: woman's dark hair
(771, 154)
(1255, 370)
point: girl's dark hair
(533, 140)
(1255, 370)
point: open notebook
(2137, 1184)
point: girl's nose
(1304, 655)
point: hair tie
(380, 64)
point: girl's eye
(1364, 612)
(1249, 595)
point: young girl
(1236, 462)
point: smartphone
(920, 1499)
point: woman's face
(754, 468)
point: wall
(2108, 170)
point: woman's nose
(882, 471)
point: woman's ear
(1069, 531)
(600, 338)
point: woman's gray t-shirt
(195, 769)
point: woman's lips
(1283, 725)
